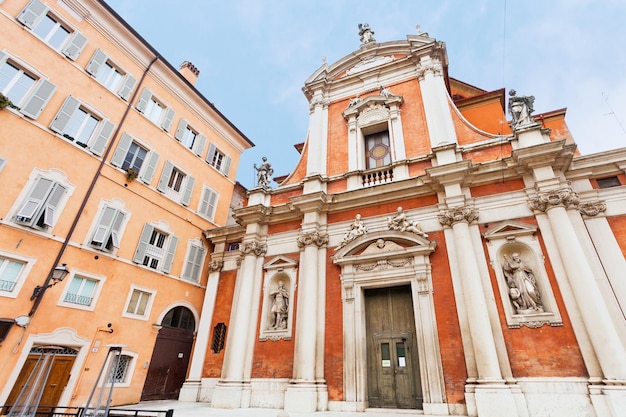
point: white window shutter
(32, 13)
(127, 87)
(198, 147)
(76, 45)
(148, 173)
(211, 153)
(165, 176)
(97, 60)
(168, 119)
(226, 165)
(38, 100)
(169, 257)
(103, 228)
(144, 98)
(52, 204)
(104, 134)
(3, 58)
(34, 201)
(144, 240)
(180, 130)
(189, 183)
(65, 114)
(116, 228)
(121, 150)
(207, 205)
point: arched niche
(279, 284)
(504, 241)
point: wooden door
(55, 384)
(392, 362)
(168, 366)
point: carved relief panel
(279, 285)
(526, 294)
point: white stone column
(318, 134)
(302, 392)
(604, 338)
(480, 327)
(436, 104)
(491, 396)
(190, 391)
(233, 391)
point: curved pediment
(384, 244)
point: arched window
(180, 318)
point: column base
(190, 391)
(231, 394)
(301, 398)
(608, 400)
(494, 400)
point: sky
(255, 55)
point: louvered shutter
(198, 147)
(36, 103)
(144, 240)
(103, 228)
(148, 173)
(169, 257)
(189, 183)
(65, 114)
(144, 98)
(97, 60)
(211, 153)
(76, 46)
(121, 150)
(165, 176)
(52, 203)
(226, 165)
(127, 87)
(35, 200)
(32, 13)
(180, 130)
(104, 134)
(168, 119)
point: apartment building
(112, 167)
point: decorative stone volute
(312, 238)
(458, 214)
(592, 208)
(253, 248)
(558, 198)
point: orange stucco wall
(333, 343)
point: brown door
(392, 363)
(168, 366)
(55, 384)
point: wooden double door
(392, 361)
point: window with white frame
(155, 110)
(377, 150)
(218, 159)
(77, 123)
(108, 229)
(138, 303)
(208, 203)
(27, 90)
(176, 184)
(193, 264)
(10, 272)
(189, 137)
(42, 21)
(131, 154)
(110, 75)
(42, 204)
(81, 292)
(156, 248)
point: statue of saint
(366, 34)
(357, 228)
(521, 109)
(522, 285)
(280, 307)
(264, 173)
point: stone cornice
(310, 202)
(556, 154)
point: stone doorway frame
(387, 259)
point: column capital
(312, 238)
(429, 66)
(455, 215)
(216, 265)
(253, 247)
(592, 208)
(564, 197)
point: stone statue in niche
(366, 34)
(521, 109)
(280, 307)
(357, 228)
(264, 173)
(400, 223)
(522, 284)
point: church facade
(427, 252)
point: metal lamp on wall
(58, 274)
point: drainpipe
(39, 297)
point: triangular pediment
(280, 262)
(509, 229)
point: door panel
(393, 371)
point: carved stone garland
(312, 238)
(558, 198)
(458, 214)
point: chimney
(190, 72)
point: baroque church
(438, 247)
